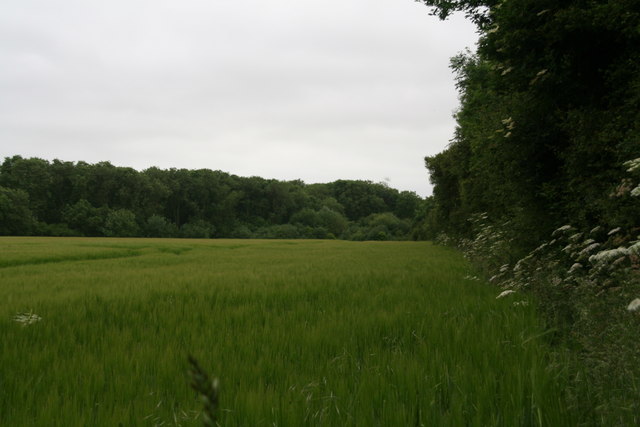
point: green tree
(32, 176)
(334, 222)
(159, 226)
(85, 218)
(15, 216)
(550, 109)
(121, 223)
(197, 229)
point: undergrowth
(586, 284)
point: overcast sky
(286, 89)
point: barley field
(299, 333)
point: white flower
(632, 165)
(589, 248)
(636, 191)
(619, 261)
(542, 246)
(606, 256)
(507, 71)
(575, 237)
(562, 230)
(575, 267)
(521, 262)
(634, 305)
(634, 249)
(505, 293)
(27, 318)
(567, 248)
(614, 231)
(504, 268)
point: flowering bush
(491, 248)
(586, 283)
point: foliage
(159, 226)
(83, 217)
(548, 122)
(15, 216)
(197, 229)
(67, 198)
(207, 389)
(585, 282)
(550, 108)
(121, 223)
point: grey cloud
(287, 89)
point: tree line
(62, 198)
(549, 114)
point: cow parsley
(614, 231)
(589, 248)
(608, 255)
(505, 293)
(562, 230)
(27, 318)
(632, 165)
(634, 305)
(575, 267)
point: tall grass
(300, 333)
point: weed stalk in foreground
(207, 389)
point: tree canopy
(550, 111)
(65, 198)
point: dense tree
(33, 176)
(15, 215)
(85, 218)
(121, 223)
(159, 226)
(550, 110)
(103, 199)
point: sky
(284, 89)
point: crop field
(299, 333)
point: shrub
(121, 223)
(159, 226)
(198, 229)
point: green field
(299, 333)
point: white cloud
(285, 89)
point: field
(299, 333)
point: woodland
(62, 198)
(549, 114)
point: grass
(299, 333)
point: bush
(121, 223)
(159, 226)
(57, 230)
(15, 215)
(241, 232)
(282, 231)
(85, 218)
(584, 283)
(198, 229)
